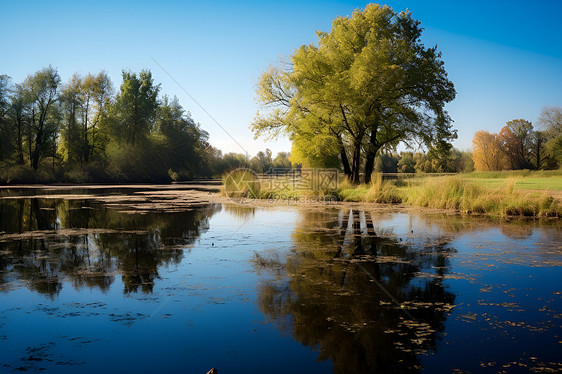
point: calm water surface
(117, 281)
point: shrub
(19, 174)
(242, 183)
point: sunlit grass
(463, 195)
(503, 197)
(529, 194)
(241, 183)
(514, 173)
(378, 191)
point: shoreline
(185, 196)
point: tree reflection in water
(352, 293)
(43, 241)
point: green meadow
(501, 194)
(522, 193)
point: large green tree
(85, 102)
(369, 84)
(131, 151)
(42, 92)
(18, 116)
(136, 106)
(182, 140)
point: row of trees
(81, 130)
(519, 145)
(454, 161)
(262, 162)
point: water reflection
(46, 241)
(240, 212)
(352, 292)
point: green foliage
(554, 147)
(314, 151)
(182, 141)
(406, 164)
(262, 162)
(135, 107)
(87, 174)
(141, 162)
(180, 176)
(40, 92)
(79, 133)
(25, 174)
(368, 84)
(453, 161)
(282, 161)
(85, 102)
(17, 174)
(231, 161)
(387, 163)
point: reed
(241, 183)
(461, 195)
(458, 194)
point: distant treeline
(454, 161)
(519, 145)
(82, 131)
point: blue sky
(504, 57)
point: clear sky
(504, 57)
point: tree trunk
(38, 144)
(86, 146)
(344, 159)
(30, 137)
(35, 155)
(537, 155)
(356, 164)
(369, 164)
(19, 145)
(370, 157)
(29, 148)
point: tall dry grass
(462, 195)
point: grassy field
(521, 193)
(498, 194)
(523, 183)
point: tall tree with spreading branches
(368, 85)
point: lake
(144, 280)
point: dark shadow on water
(374, 292)
(46, 241)
(352, 293)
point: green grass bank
(510, 193)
